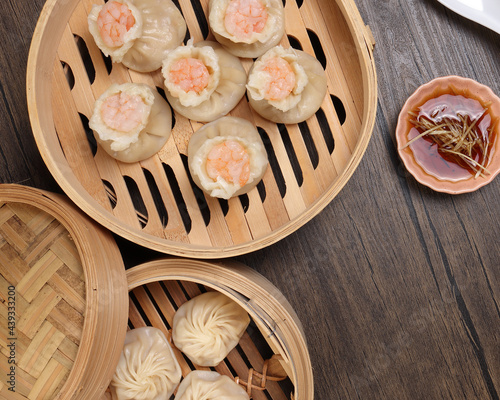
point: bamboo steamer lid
(271, 361)
(63, 297)
(154, 202)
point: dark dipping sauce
(430, 155)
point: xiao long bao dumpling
(227, 157)
(131, 121)
(247, 28)
(286, 85)
(203, 81)
(205, 385)
(137, 33)
(207, 327)
(147, 368)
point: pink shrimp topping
(281, 79)
(230, 161)
(114, 21)
(245, 17)
(123, 112)
(190, 74)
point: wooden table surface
(398, 287)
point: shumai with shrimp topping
(203, 82)
(131, 121)
(137, 33)
(247, 28)
(115, 26)
(227, 157)
(286, 85)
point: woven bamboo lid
(154, 203)
(62, 289)
(271, 361)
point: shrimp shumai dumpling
(227, 157)
(247, 28)
(147, 368)
(207, 327)
(137, 33)
(286, 85)
(131, 121)
(203, 82)
(198, 385)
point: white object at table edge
(484, 12)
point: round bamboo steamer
(154, 203)
(63, 296)
(274, 343)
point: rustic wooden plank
(397, 286)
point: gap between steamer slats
(274, 207)
(341, 49)
(218, 233)
(342, 134)
(147, 307)
(232, 113)
(325, 172)
(72, 138)
(174, 229)
(108, 168)
(153, 224)
(189, 14)
(341, 79)
(247, 345)
(155, 291)
(113, 68)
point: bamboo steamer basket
(154, 203)
(271, 360)
(63, 296)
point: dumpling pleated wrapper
(223, 91)
(232, 129)
(286, 85)
(159, 28)
(147, 369)
(208, 385)
(207, 327)
(111, 45)
(239, 32)
(163, 29)
(140, 133)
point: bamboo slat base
(154, 202)
(271, 360)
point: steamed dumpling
(115, 27)
(205, 385)
(247, 28)
(147, 369)
(226, 157)
(286, 85)
(131, 121)
(137, 33)
(207, 327)
(163, 29)
(203, 82)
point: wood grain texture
(397, 286)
